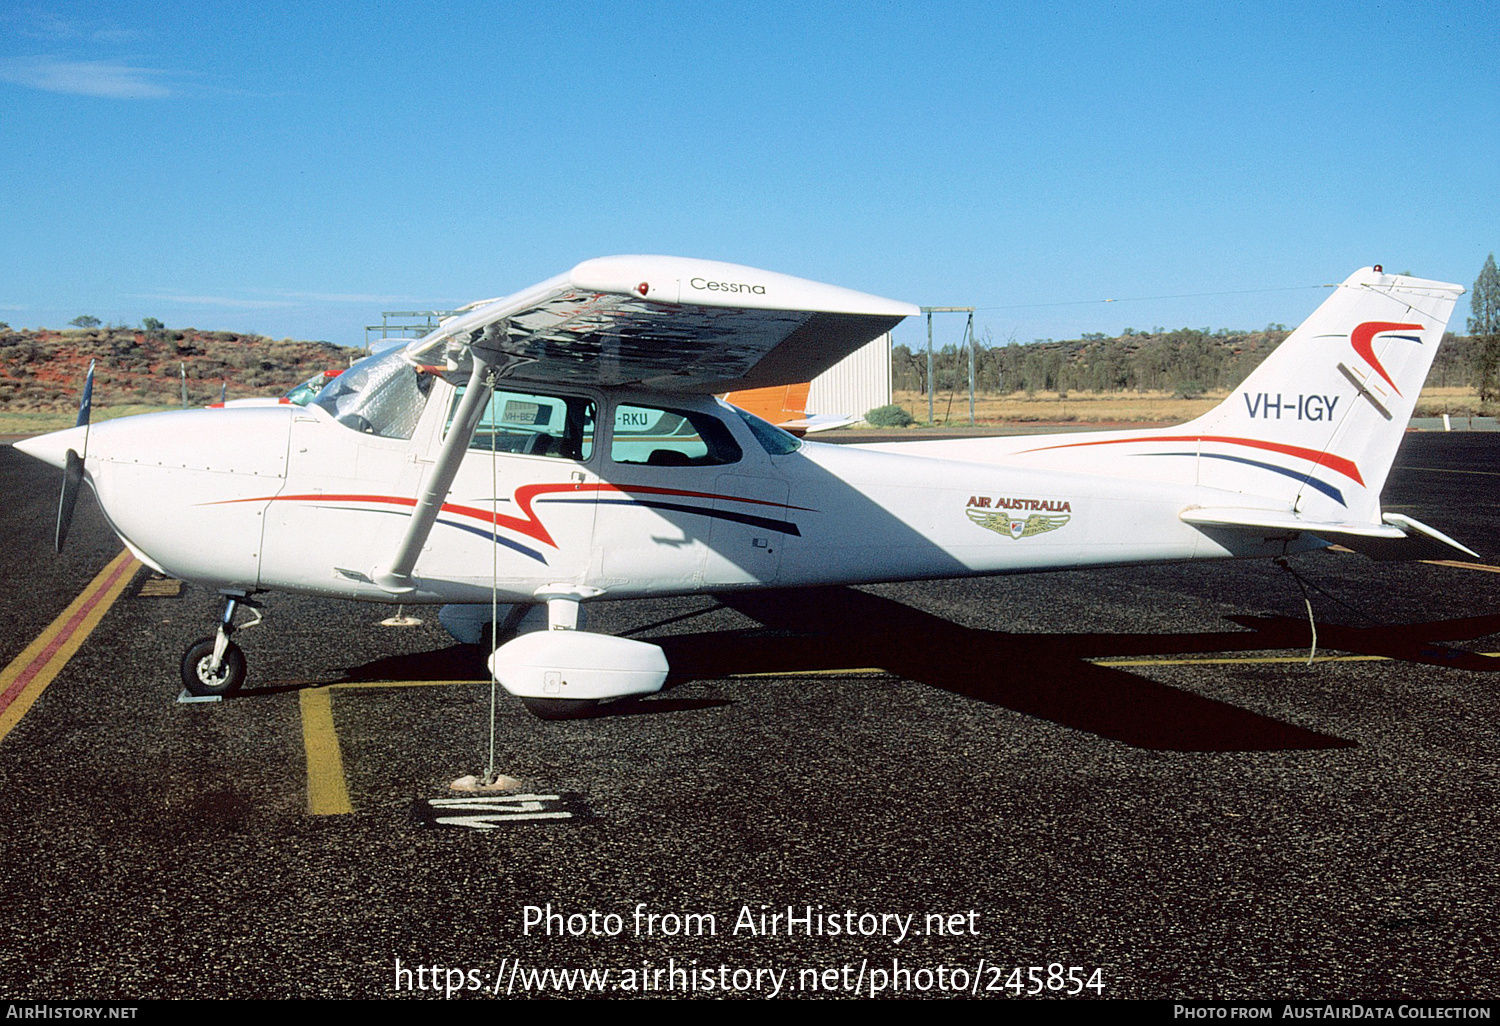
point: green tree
(1484, 328)
(152, 324)
(85, 321)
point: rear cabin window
(670, 438)
(773, 439)
(529, 424)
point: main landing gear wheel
(201, 680)
(560, 708)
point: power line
(1141, 299)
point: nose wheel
(200, 676)
(215, 666)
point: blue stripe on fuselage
(1322, 486)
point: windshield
(379, 395)
(305, 392)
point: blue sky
(296, 169)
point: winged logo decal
(1014, 517)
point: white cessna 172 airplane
(563, 445)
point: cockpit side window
(532, 424)
(670, 438)
(380, 395)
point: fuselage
(612, 493)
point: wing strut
(489, 366)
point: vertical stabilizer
(1317, 424)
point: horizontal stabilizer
(819, 422)
(1398, 537)
(1421, 542)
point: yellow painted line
(1437, 562)
(1462, 565)
(1226, 660)
(327, 791)
(24, 680)
(327, 794)
(360, 685)
(1449, 470)
(808, 673)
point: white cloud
(51, 26)
(342, 297)
(117, 35)
(84, 78)
(225, 301)
(46, 25)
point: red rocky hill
(43, 370)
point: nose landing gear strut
(215, 666)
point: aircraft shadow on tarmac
(465, 664)
(1044, 675)
(1049, 675)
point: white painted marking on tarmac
(493, 821)
(489, 812)
(494, 804)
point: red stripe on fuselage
(529, 525)
(1338, 463)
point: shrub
(888, 416)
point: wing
(667, 323)
(664, 323)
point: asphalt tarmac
(1124, 783)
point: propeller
(73, 471)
